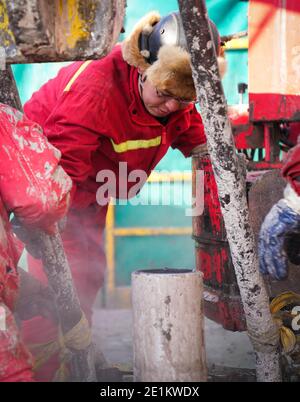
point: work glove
(282, 220)
(292, 246)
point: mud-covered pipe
(56, 267)
(67, 303)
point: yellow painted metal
(59, 30)
(163, 231)
(7, 37)
(160, 177)
(75, 27)
(237, 44)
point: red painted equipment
(262, 132)
(221, 293)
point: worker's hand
(280, 221)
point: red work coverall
(92, 112)
(36, 190)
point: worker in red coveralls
(36, 189)
(279, 236)
(129, 107)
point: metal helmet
(169, 31)
(158, 45)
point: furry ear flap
(172, 73)
(130, 47)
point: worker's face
(156, 103)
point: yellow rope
(287, 337)
(78, 338)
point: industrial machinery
(263, 130)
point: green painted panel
(30, 77)
(229, 15)
(152, 252)
(151, 216)
(157, 204)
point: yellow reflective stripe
(238, 43)
(136, 144)
(78, 72)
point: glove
(292, 246)
(283, 218)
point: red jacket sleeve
(32, 184)
(192, 137)
(291, 168)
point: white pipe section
(168, 326)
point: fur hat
(158, 45)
